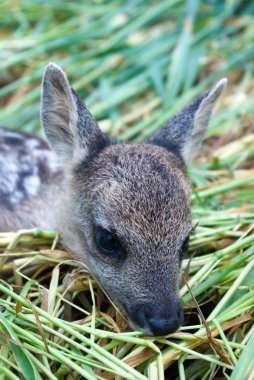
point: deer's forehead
(140, 178)
(140, 173)
(142, 191)
(136, 156)
(145, 211)
(143, 221)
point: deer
(122, 208)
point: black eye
(106, 240)
(107, 243)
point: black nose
(158, 320)
(161, 327)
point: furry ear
(185, 131)
(70, 128)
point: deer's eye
(107, 243)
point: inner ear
(69, 127)
(62, 108)
(184, 133)
(58, 111)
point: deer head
(129, 216)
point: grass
(135, 63)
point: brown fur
(138, 193)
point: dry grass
(136, 64)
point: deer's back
(30, 181)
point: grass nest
(55, 322)
(146, 60)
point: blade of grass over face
(135, 64)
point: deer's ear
(69, 126)
(184, 133)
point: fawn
(121, 208)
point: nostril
(158, 321)
(163, 322)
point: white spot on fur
(23, 165)
(32, 185)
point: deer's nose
(158, 320)
(160, 327)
